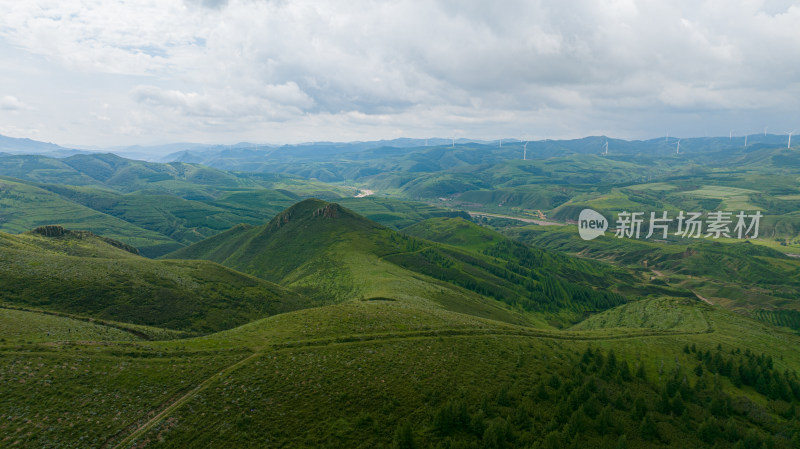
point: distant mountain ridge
(227, 156)
(14, 145)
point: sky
(108, 73)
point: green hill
(457, 232)
(330, 253)
(328, 328)
(387, 373)
(80, 273)
(405, 368)
(116, 172)
(752, 279)
(295, 236)
(161, 207)
(24, 207)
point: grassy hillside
(393, 374)
(116, 172)
(161, 207)
(24, 207)
(457, 232)
(326, 327)
(80, 273)
(752, 279)
(394, 213)
(25, 326)
(401, 370)
(331, 253)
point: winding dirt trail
(144, 428)
(509, 217)
(702, 298)
(365, 193)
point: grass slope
(82, 274)
(25, 326)
(24, 207)
(394, 373)
(333, 254)
(752, 279)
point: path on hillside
(143, 429)
(526, 220)
(702, 298)
(365, 192)
(404, 252)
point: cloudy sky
(103, 72)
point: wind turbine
(606, 152)
(525, 152)
(745, 140)
(678, 149)
(454, 141)
(789, 145)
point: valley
(188, 306)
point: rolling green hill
(80, 273)
(115, 172)
(401, 374)
(752, 279)
(304, 323)
(414, 361)
(24, 207)
(331, 253)
(161, 207)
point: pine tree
(404, 436)
(698, 370)
(553, 440)
(736, 377)
(641, 373)
(554, 382)
(639, 408)
(677, 405)
(605, 421)
(541, 393)
(719, 406)
(648, 428)
(663, 402)
(708, 430)
(625, 371)
(761, 385)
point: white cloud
(233, 68)
(11, 103)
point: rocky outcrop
(51, 231)
(60, 231)
(330, 210)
